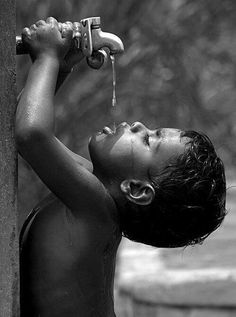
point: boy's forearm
(60, 80)
(35, 109)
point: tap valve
(91, 40)
(87, 25)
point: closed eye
(146, 139)
(159, 132)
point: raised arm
(36, 141)
(72, 57)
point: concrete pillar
(8, 171)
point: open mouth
(108, 130)
(111, 131)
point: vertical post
(8, 160)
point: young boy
(161, 187)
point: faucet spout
(104, 39)
(94, 39)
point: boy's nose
(137, 126)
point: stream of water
(113, 80)
(114, 101)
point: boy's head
(169, 184)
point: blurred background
(178, 70)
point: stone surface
(8, 159)
(203, 288)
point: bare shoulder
(64, 173)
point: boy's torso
(64, 270)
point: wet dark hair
(189, 203)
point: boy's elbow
(28, 137)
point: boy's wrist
(49, 58)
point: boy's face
(134, 151)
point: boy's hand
(44, 38)
(75, 54)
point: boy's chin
(97, 137)
(95, 146)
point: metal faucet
(91, 40)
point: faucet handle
(94, 39)
(86, 34)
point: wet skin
(134, 151)
(68, 256)
(69, 243)
(66, 270)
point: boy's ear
(138, 191)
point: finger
(40, 22)
(69, 23)
(52, 21)
(66, 32)
(77, 31)
(26, 34)
(76, 27)
(60, 26)
(26, 31)
(67, 26)
(33, 27)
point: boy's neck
(113, 189)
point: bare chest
(63, 271)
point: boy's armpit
(79, 159)
(73, 184)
